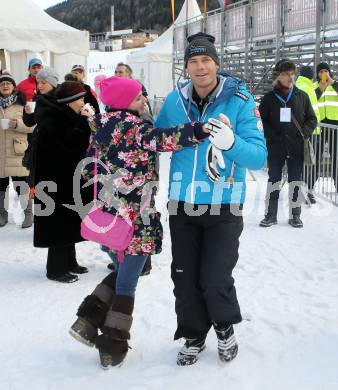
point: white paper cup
(31, 105)
(4, 123)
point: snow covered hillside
(287, 286)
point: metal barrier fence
(214, 26)
(251, 35)
(300, 14)
(322, 178)
(332, 12)
(235, 24)
(264, 17)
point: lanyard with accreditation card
(285, 112)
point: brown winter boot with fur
(113, 343)
(93, 310)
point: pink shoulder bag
(105, 228)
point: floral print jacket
(126, 148)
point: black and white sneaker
(227, 344)
(189, 352)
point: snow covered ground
(287, 287)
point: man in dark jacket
(79, 72)
(288, 118)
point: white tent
(153, 64)
(27, 31)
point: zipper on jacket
(231, 179)
(192, 198)
(195, 152)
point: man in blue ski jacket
(207, 192)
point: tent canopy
(24, 26)
(158, 50)
(27, 31)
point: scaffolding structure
(252, 35)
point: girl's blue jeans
(128, 273)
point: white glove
(225, 119)
(221, 134)
(87, 110)
(214, 157)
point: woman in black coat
(61, 144)
(47, 82)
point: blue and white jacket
(188, 179)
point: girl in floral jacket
(127, 147)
